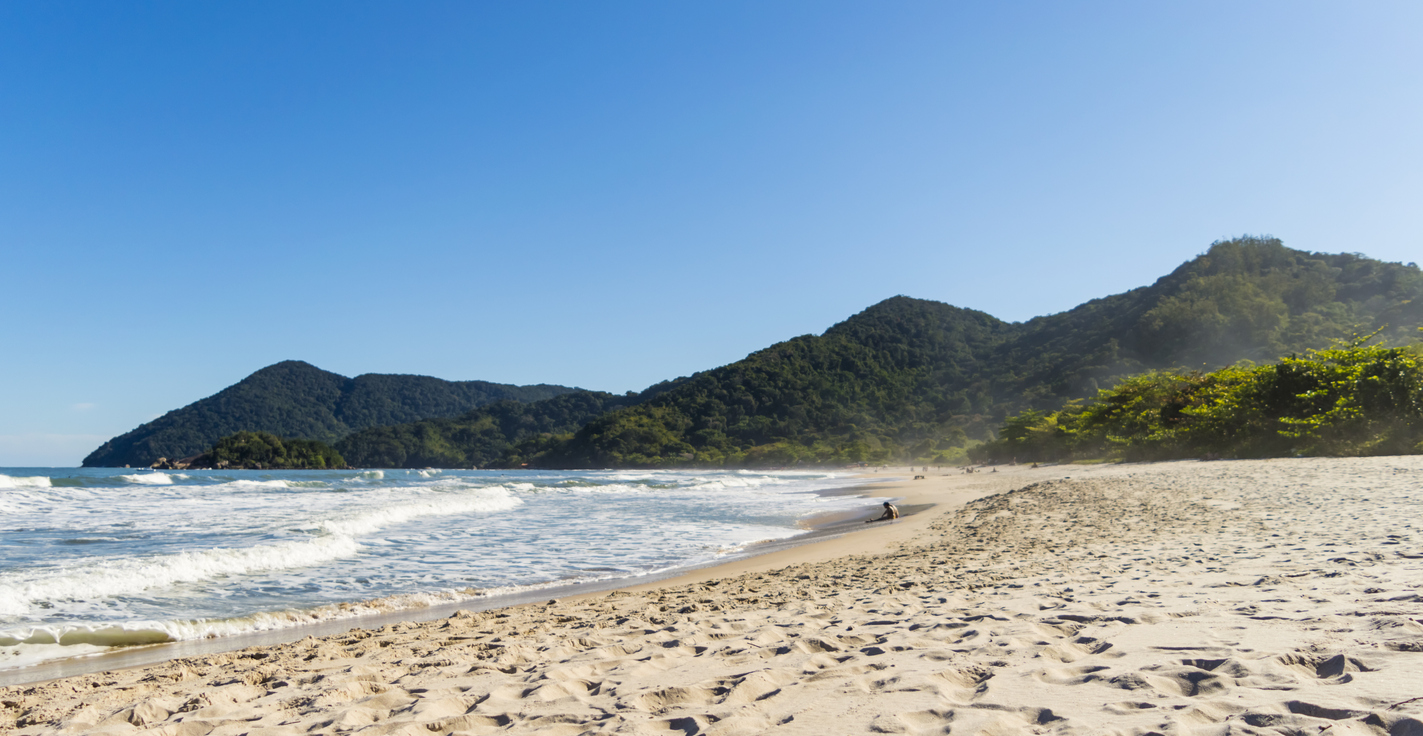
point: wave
(126, 577)
(150, 479)
(444, 504)
(50, 641)
(137, 633)
(86, 637)
(117, 577)
(118, 635)
(33, 481)
(241, 483)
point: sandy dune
(1229, 597)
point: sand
(1223, 597)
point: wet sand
(1253, 597)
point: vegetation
(269, 452)
(296, 399)
(904, 380)
(1352, 399)
(914, 380)
(477, 438)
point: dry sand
(1227, 597)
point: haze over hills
(905, 379)
(299, 400)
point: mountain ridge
(907, 378)
(295, 399)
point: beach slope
(1276, 596)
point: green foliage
(268, 451)
(478, 438)
(905, 380)
(295, 399)
(911, 380)
(1351, 399)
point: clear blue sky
(611, 194)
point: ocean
(92, 559)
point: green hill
(264, 451)
(1349, 400)
(299, 400)
(477, 438)
(908, 378)
(911, 379)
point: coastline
(779, 552)
(1273, 596)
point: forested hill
(1250, 298)
(906, 379)
(298, 400)
(909, 378)
(478, 438)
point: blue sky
(611, 194)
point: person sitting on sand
(890, 514)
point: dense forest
(296, 399)
(1352, 399)
(477, 438)
(906, 379)
(265, 451)
(909, 379)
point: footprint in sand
(1070, 675)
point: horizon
(609, 197)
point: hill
(1353, 399)
(477, 438)
(909, 378)
(298, 400)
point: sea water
(92, 559)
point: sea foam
(106, 558)
(133, 576)
(149, 479)
(447, 504)
(34, 481)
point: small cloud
(83, 407)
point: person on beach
(890, 514)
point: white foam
(30, 655)
(127, 577)
(319, 541)
(442, 504)
(428, 472)
(249, 484)
(33, 481)
(148, 479)
(27, 646)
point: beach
(1278, 596)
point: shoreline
(1268, 596)
(780, 552)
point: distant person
(890, 514)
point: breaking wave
(149, 479)
(108, 578)
(33, 481)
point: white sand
(1229, 597)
